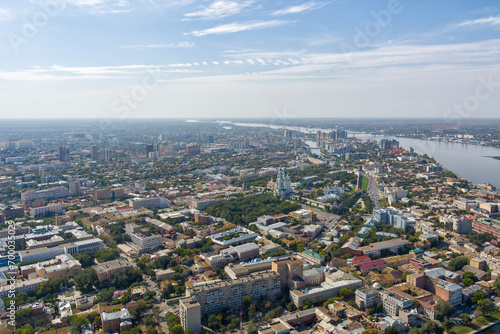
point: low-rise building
(119, 321)
(106, 270)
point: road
(373, 192)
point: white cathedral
(283, 185)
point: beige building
(302, 215)
(190, 314)
(288, 268)
(106, 270)
(214, 296)
(323, 292)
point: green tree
(444, 307)
(391, 330)
(246, 301)
(466, 318)
(448, 324)
(177, 329)
(252, 327)
(77, 324)
(477, 296)
(486, 306)
(86, 280)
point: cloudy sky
(249, 58)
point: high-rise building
(288, 134)
(210, 139)
(389, 144)
(288, 269)
(106, 154)
(359, 184)
(94, 153)
(64, 154)
(74, 188)
(193, 149)
(229, 294)
(190, 315)
(149, 148)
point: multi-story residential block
(323, 292)
(314, 276)
(23, 286)
(102, 194)
(462, 225)
(190, 315)
(119, 321)
(450, 292)
(464, 204)
(46, 210)
(391, 245)
(288, 268)
(52, 193)
(155, 202)
(479, 263)
(142, 238)
(107, 270)
(416, 280)
(229, 294)
(487, 225)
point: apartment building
(450, 292)
(23, 286)
(323, 292)
(391, 245)
(52, 193)
(155, 202)
(50, 209)
(213, 297)
(288, 268)
(190, 315)
(369, 297)
(106, 270)
(143, 240)
(488, 225)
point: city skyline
(232, 59)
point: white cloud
(491, 21)
(98, 7)
(219, 9)
(303, 8)
(237, 27)
(5, 15)
(161, 45)
(56, 72)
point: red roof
(361, 258)
(372, 264)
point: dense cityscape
(212, 226)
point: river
(471, 162)
(492, 330)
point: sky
(249, 58)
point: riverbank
(485, 328)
